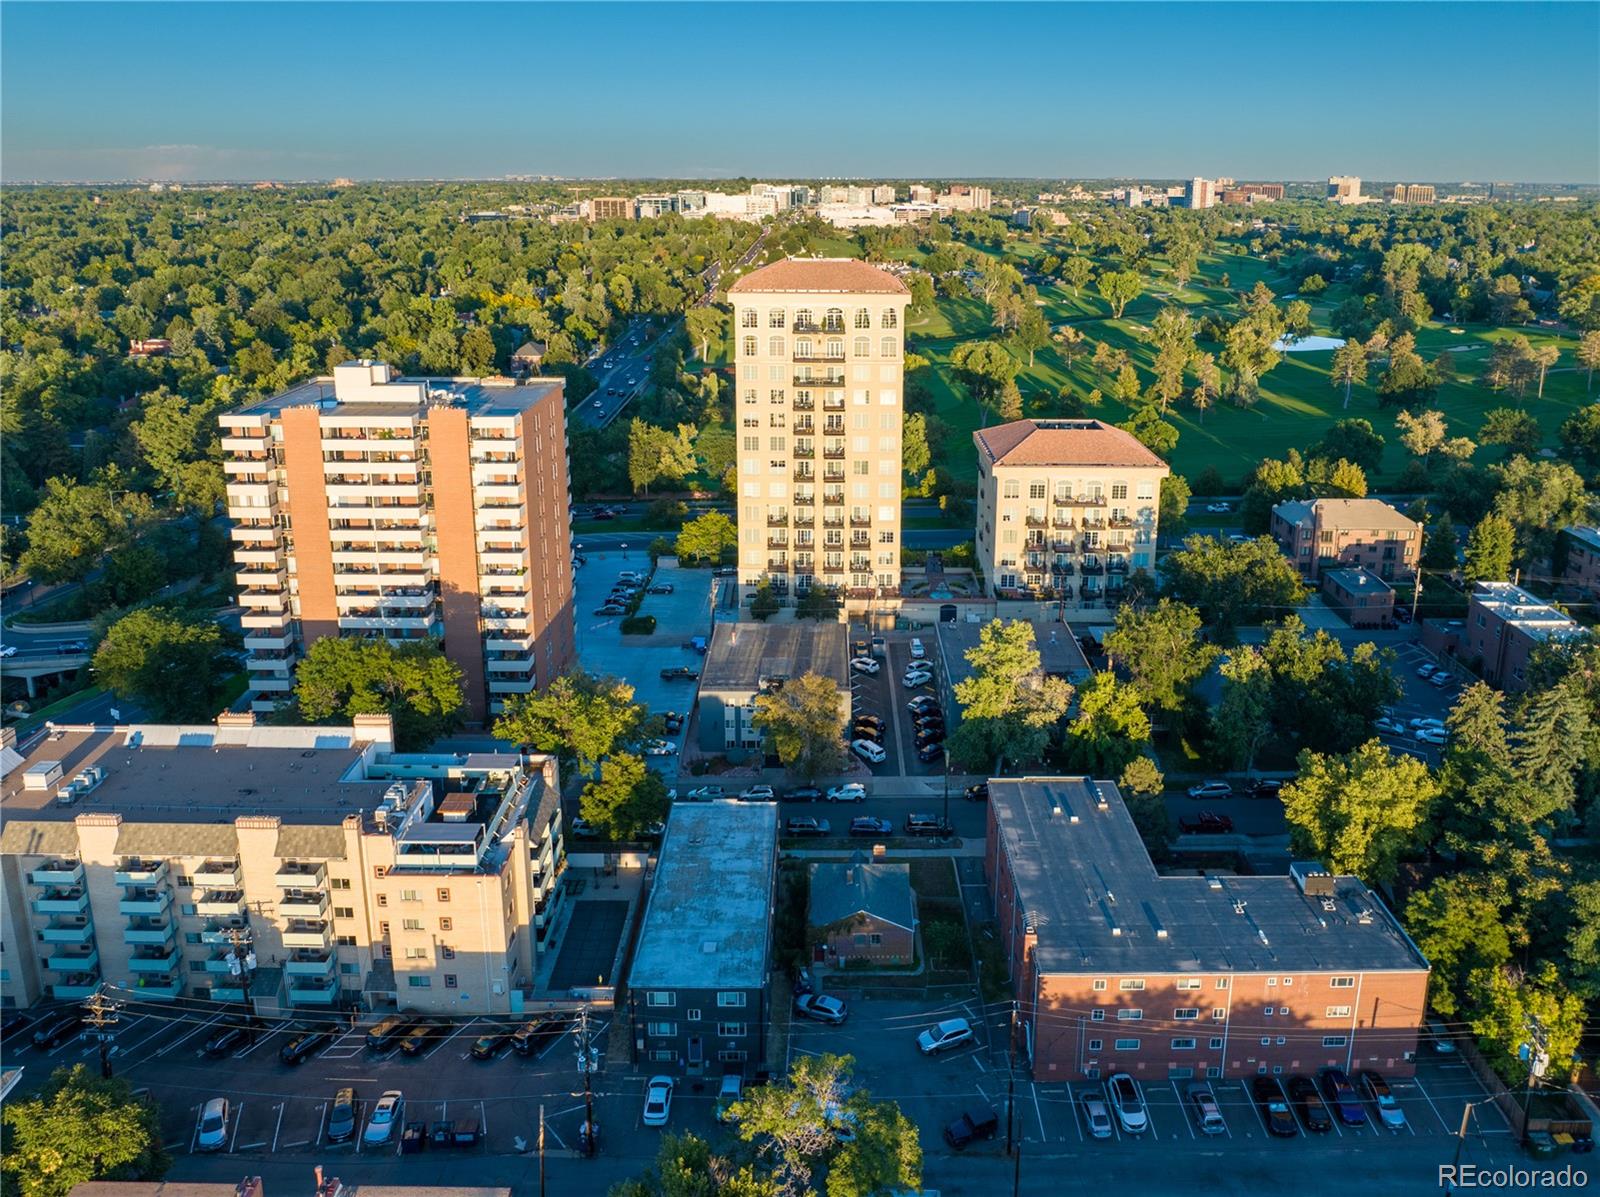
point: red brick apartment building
(1319, 534)
(1120, 969)
(1503, 627)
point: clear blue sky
(1426, 92)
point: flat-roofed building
(698, 982)
(1580, 566)
(1411, 193)
(746, 660)
(819, 349)
(1344, 189)
(1118, 968)
(1066, 509)
(1361, 598)
(1504, 625)
(1322, 534)
(149, 856)
(367, 504)
(610, 207)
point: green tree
(1173, 511)
(626, 799)
(1588, 355)
(77, 523)
(1580, 433)
(1110, 730)
(1539, 498)
(1503, 1001)
(1151, 431)
(805, 722)
(1351, 440)
(1010, 709)
(705, 325)
(1512, 427)
(1242, 720)
(1076, 272)
(477, 352)
(1408, 380)
(1161, 649)
(1489, 548)
(915, 456)
(580, 718)
(414, 683)
(687, 1167)
(764, 604)
(984, 367)
(1358, 813)
(1119, 288)
(1440, 544)
(821, 603)
(1231, 583)
(1032, 333)
(1349, 367)
(656, 453)
(179, 442)
(1583, 938)
(172, 664)
(883, 1156)
(1459, 923)
(80, 1128)
(708, 537)
(1141, 784)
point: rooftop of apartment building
(813, 275)
(178, 789)
(1073, 443)
(1099, 906)
(1343, 513)
(1060, 654)
(1585, 535)
(746, 656)
(369, 388)
(1354, 581)
(1523, 611)
(707, 924)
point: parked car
(729, 1093)
(1264, 787)
(1211, 789)
(1128, 1103)
(870, 826)
(534, 1036)
(941, 1037)
(820, 1007)
(1274, 1106)
(1440, 1037)
(918, 824)
(803, 794)
(58, 1030)
(869, 751)
(231, 1037)
(865, 665)
(421, 1034)
(929, 735)
(924, 704)
(384, 1117)
(875, 734)
(1378, 1092)
(1426, 670)
(1390, 727)
(880, 647)
(1342, 1097)
(1096, 1116)
(1442, 679)
(977, 793)
(383, 1034)
(1308, 1103)
(852, 791)
(672, 721)
(1206, 823)
(9, 650)
(661, 588)
(707, 793)
(212, 1131)
(342, 1116)
(1434, 736)
(658, 1101)
(582, 829)
(869, 721)
(757, 794)
(680, 673)
(305, 1045)
(487, 1047)
(1219, 508)
(916, 677)
(979, 1122)
(1207, 1113)
(930, 752)
(611, 609)
(806, 827)
(660, 748)
(918, 652)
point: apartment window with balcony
(835, 349)
(863, 318)
(803, 318)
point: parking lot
(884, 694)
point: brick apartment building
(1318, 534)
(1117, 968)
(1581, 567)
(1361, 598)
(1503, 627)
(366, 504)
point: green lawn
(1297, 403)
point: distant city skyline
(1395, 92)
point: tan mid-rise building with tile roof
(1066, 510)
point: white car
(660, 748)
(1423, 724)
(1096, 1116)
(952, 1032)
(385, 1117)
(1219, 508)
(1441, 679)
(1211, 789)
(915, 678)
(850, 792)
(658, 1101)
(10, 650)
(872, 753)
(212, 1132)
(707, 793)
(1390, 727)
(757, 794)
(1425, 671)
(917, 651)
(864, 665)
(1433, 735)
(1128, 1102)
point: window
(748, 346)
(446, 925)
(339, 882)
(730, 1030)
(877, 939)
(890, 319)
(1127, 985)
(1185, 1013)
(1119, 490)
(1281, 1040)
(1215, 1043)
(1099, 985)
(693, 1015)
(664, 1055)
(348, 969)
(661, 998)
(197, 966)
(863, 318)
(888, 347)
(1219, 1014)
(1336, 1012)
(1010, 489)
(1342, 982)
(189, 909)
(661, 1029)
(1129, 1015)
(1098, 1014)
(443, 895)
(344, 912)
(383, 899)
(411, 924)
(1283, 1011)
(416, 953)
(1222, 982)
(1288, 980)
(191, 937)
(449, 980)
(1096, 1044)
(409, 895)
(1126, 1045)
(383, 929)
(1183, 1045)
(1271, 981)
(861, 346)
(1188, 983)
(732, 1057)
(1267, 1012)
(345, 941)
(447, 951)
(774, 346)
(1266, 1041)
(747, 318)
(1335, 1040)
(380, 871)
(420, 982)
(775, 318)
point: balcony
(220, 902)
(221, 931)
(155, 960)
(804, 474)
(57, 872)
(777, 542)
(309, 963)
(145, 901)
(307, 991)
(833, 454)
(1117, 565)
(1062, 521)
(146, 932)
(73, 960)
(77, 988)
(860, 565)
(159, 986)
(833, 500)
(1063, 568)
(804, 519)
(228, 990)
(832, 404)
(220, 963)
(1092, 568)
(141, 872)
(805, 405)
(217, 874)
(1120, 521)
(777, 519)
(804, 500)
(778, 563)
(1094, 522)
(1034, 521)
(805, 454)
(299, 934)
(861, 521)
(67, 931)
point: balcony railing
(861, 521)
(57, 872)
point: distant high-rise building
(655, 205)
(610, 207)
(1411, 193)
(883, 193)
(819, 362)
(963, 197)
(1344, 189)
(921, 194)
(1501, 190)
(370, 505)
(1200, 193)
(1250, 193)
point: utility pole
(1537, 1054)
(1461, 1139)
(1011, 1080)
(242, 964)
(1016, 1173)
(101, 1014)
(588, 1060)
(541, 1149)
(1416, 596)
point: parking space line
(278, 1130)
(194, 1135)
(483, 1119)
(1255, 1109)
(1187, 1121)
(1038, 1112)
(238, 1120)
(1149, 1115)
(1072, 1109)
(448, 1038)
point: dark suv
(980, 1122)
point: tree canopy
(80, 1128)
(805, 721)
(170, 662)
(414, 683)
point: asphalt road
(619, 374)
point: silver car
(212, 1133)
(1096, 1116)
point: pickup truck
(1206, 823)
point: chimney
(236, 719)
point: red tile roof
(1063, 443)
(820, 274)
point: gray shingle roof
(177, 839)
(842, 891)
